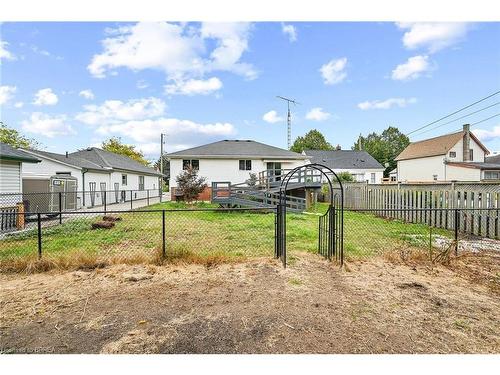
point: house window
(141, 182)
(471, 154)
(372, 178)
(453, 154)
(186, 164)
(124, 179)
(245, 165)
(492, 175)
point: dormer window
(453, 154)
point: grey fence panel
(405, 201)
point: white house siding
(424, 169)
(216, 170)
(462, 174)
(47, 168)
(10, 177)
(478, 152)
(10, 181)
(421, 169)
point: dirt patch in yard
(256, 306)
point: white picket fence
(478, 204)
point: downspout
(83, 182)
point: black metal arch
(331, 224)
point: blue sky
(71, 85)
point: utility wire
(459, 118)
(451, 114)
(486, 119)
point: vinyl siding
(10, 177)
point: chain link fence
(208, 235)
(51, 204)
(141, 236)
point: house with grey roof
(360, 164)
(93, 174)
(231, 161)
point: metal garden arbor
(331, 224)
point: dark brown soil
(254, 307)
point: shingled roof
(7, 152)
(344, 159)
(70, 159)
(232, 149)
(109, 160)
(435, 146)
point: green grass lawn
(207, 233)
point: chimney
(338, 148)
(66, 153)
(466, 142)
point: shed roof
(7, 152)
(344, 159)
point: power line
(486, 119)
(459, 118)
(451, 114)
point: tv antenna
(289, 118)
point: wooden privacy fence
(478, 204)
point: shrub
(190, 184)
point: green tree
(15, 139)
(166, 169)
(384, 147)
(190, 184)
(116, 146)
(313, 140)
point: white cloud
(183, 52)
(4, 53)
(87, 94)
(194, 86)
(231, 42)
(487, 135)
(290, 31)
(6, 93)
(178, 131)
(333, 71)
(272, 117)
(413, 68)
(19, 104)
(142, 84)
(317, 114)
(45, 97)
(433, 36)
(386, 104)
(114, 111)
(49, 126)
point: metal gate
(330, 226)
